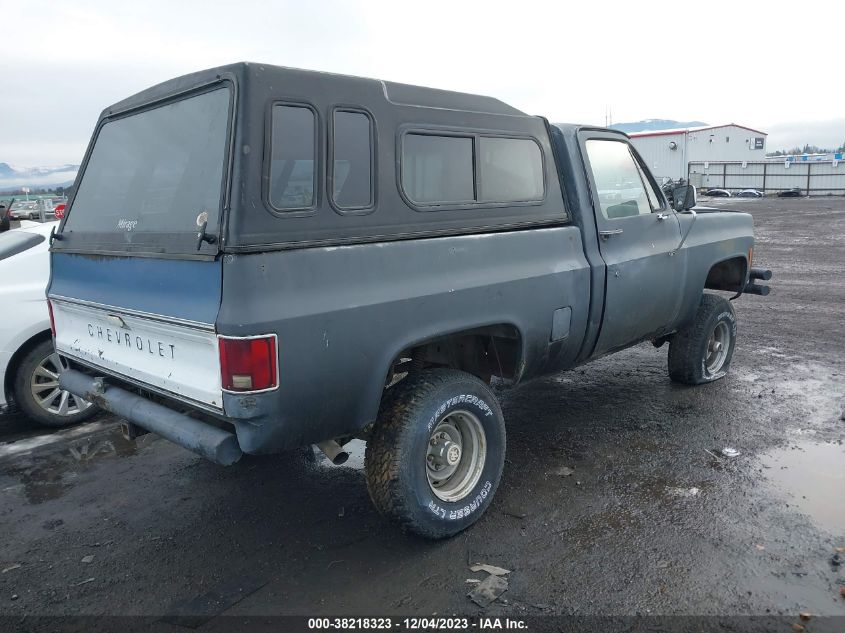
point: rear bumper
(215, 444)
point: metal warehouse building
(669, 152)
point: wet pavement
(617, 498)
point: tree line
(38, 191)
(807, 149)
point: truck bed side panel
(343, 314)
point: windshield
(151, 174)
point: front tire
(37, 390)
(701, 351)
(435, 458)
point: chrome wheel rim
(717, 348)
(457, 450)
(44, 386)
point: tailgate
(148, 320)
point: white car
(29, 366)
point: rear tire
(435, 458)
(37, 392)
(701, 351)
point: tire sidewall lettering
(467, 509)
(469, 399)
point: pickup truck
(257, 259)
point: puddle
(42, 438)
(46, 475)
(812, 477)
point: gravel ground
(615, 498)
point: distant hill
(653, 125)
(12, 178)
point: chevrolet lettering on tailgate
(175, 358)
(141, 343)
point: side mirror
(683, 198)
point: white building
(668, 153)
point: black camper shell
(250, 221)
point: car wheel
(436, 453)
(702, 350)
(33, 216)
(37, 390)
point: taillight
(248, 364)
(52, 320)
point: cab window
(620, 189)
(653, 198)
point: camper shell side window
(351, 161)
(293, 159)
(459, 169)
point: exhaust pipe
(213, 443)
(333, 451)
(754, 289)
(760, 273)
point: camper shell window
(352, 160)
(293, 158)
(453, 170)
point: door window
(653, 198)
(620, 189)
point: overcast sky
(744, 62)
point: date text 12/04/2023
(433, 623)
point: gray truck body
(354, 297)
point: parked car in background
(29, 366)
(5, 225)
(718, 193)
(795, 192)
(668, 187)
(23, 210)
(749, 193)
(33, 210)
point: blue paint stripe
(184, 289)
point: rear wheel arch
(502, 344)
(484, 351)
(15, 361)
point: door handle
(606, 234)
(662, 216)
